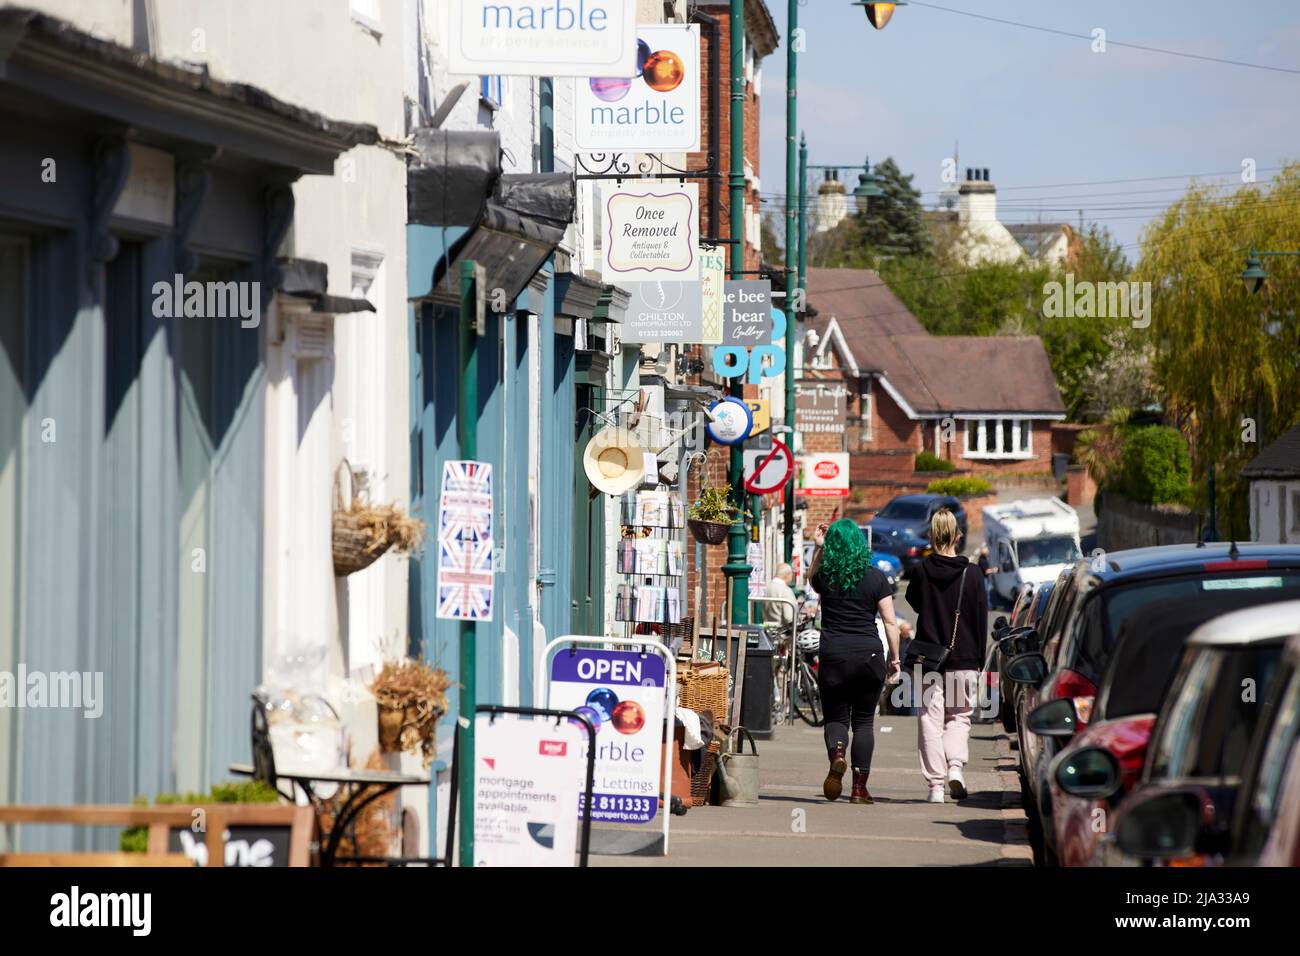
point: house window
(492, 90)
(999, 438)
(366, 13)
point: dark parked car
(902, 527)
(1232, 687)
(1018, 636)
(1085, 614)
(1141, 669)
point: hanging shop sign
(757, 363)
(824, 476)
(767, 472)
(732, 421)
(580, 38)
(657, 108)
(466, 560)
(622, 694)
(761, 409)
(747, 313)
(528, 777)
(820, 408)
(650, 234)
(670, 310)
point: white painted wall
(1275, 512)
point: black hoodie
(933, 594)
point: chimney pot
(986, 174)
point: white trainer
(956, 783)
(936, 795)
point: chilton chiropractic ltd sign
(581, 38)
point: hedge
(1155, 467)
(959, 487)
(929, 461)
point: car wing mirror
(1030, 669)
(1089, 772)
(1000, 623)
(1164, 826)
(1056, 718)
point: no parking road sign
(768, 471)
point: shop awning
(518, 231)
(308, 279)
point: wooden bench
(161, 821)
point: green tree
(891, 225)
(1224, 358)
(1155, 467)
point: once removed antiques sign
(657, 108)
(650, 234)
(542, 37)
(819, 407)
(622, 694)
(528, 777)
(747, 313)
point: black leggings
(850, 690)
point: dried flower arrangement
(411, 697)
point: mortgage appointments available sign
(655, 109)
(582, 38)
(622, 694)
(650, 233)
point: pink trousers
(943, 730)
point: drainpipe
(791, 260)
(737, 568)
(713, 28)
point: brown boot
(860, 794)
(833, 785)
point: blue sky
(1039, 109)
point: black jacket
(933, 594)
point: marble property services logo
(579, 38)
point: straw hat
(614, 461)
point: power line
(1109, 42)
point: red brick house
(986, 403)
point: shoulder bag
(931, 654)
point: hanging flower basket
(708, 532)
(362, 532)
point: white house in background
(1274, 478)
(981, 237)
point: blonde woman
(947, 594)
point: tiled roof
(1281, 459)
(932, 374)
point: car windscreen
(1037, 552)
(905, 511)
(1120, 602)
(1219, 704)
(1150, 646)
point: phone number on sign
(619, 809)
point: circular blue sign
(733, 421)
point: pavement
(794, 825)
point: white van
(1030, 542)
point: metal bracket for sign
(649, 166)
(495, 709)
(542, 685)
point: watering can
(738, 772)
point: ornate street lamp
(1255, 275)
(868, 184)
(879, 14)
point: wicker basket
(708, 532)
(354, 544)
(704, 687)
(702, 779)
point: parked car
(887, 564)
(1085, 614)
(1141, 669)
(902, 527)
(1223, 702)
(1018, 636)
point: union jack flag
(465, 510)
(465, 579)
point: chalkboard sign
(245, 845)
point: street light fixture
(868, 183)
(879, 14)
(1255, 275)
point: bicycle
(807, 698)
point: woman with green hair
(852, 669)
